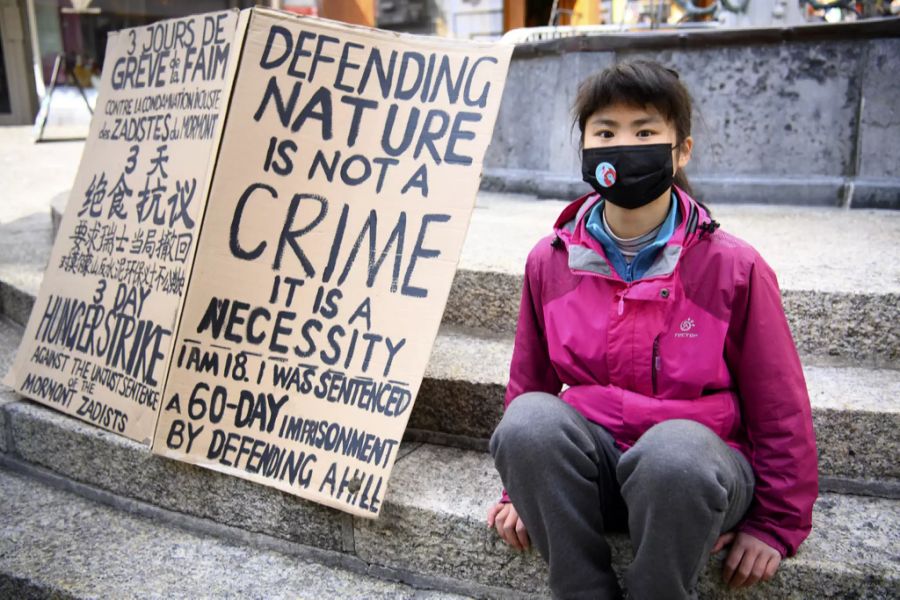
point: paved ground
(33, 174)
(822, 249)
(62, 544)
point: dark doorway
(5, 103)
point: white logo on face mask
(686, 327)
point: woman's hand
(750, 559)
(504, 518)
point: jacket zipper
(655, 364)
(621, 295)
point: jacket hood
(587, 254)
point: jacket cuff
(764, 537)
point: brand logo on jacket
(686, 327)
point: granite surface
(10, 336)
(880, 123)
(433, 520)
(33, 174)
(855, 413)
(801, 121)
(815, 249)
(439, 507)
(110, 462)
(15, 303)
(462, 392)
(858, 444)
(840, 299)
(63, 544)
(855, 409)
(863, 328)
(6, 396)
(25, 250)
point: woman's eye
(605, 133)
(645, 131)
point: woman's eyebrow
(645, 121)
(636, 123)
(602, 121)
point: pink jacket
(702, 336)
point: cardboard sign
(332, 171)
(348, 172)
(98, 341)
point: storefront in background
(18, 96)
(60, 48)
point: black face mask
(629, 176)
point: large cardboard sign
(332, 171)
(348, 171)
(98, 341)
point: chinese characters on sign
(98, 341)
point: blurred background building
(59, 45)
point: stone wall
(804, 115)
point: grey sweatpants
(677, 489)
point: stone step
(434, 502)
(10, 336)
(25, 246)
(441, 494)
(58, 544)
(841, 297)
(433, 522)
(855, 409)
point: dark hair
(638, 83)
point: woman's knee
(531, 421)
(672, 456)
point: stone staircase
(842, 302)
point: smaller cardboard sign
(98, 341)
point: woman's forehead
(626, 114)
